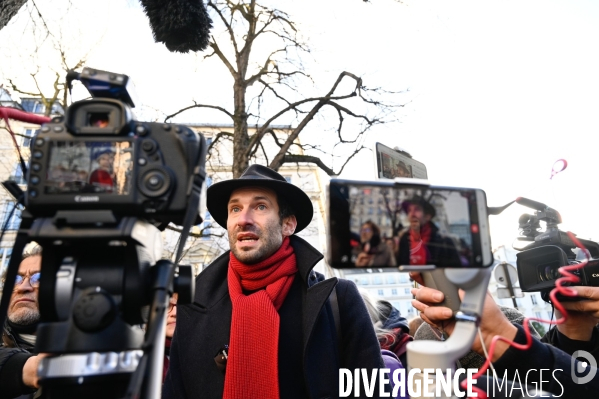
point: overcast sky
(498, 90)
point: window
(390, 279)
(36, 106)
(26, 141)
(380, 292)
(15, 219)
(533, 299)
(377, 280)
(406, 290)
(364, 281)
(403, 278)
(17, 175)
(410, 310)
(288, 178)
(4, 259)
(394, 291)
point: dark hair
(285, 209)
(375, 229)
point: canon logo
(595, 274)
(87, 198)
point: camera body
(539, 262)
(98, 157)
(538, 267)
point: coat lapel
(316, 298)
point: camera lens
(550, 273)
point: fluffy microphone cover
(182, 25)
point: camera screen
(90, 167)
(386, 226)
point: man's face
(253, 223)
(416, 215)
(171, 318)
(24, 307)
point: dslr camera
(101, 186)
(99, 157)
(539, 262)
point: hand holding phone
(437, 280)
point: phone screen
(384, 224)
(392, 164)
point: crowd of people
(264, 324)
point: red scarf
(253, 361)
(418, 242)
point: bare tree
(47, 73)
(58, 93)
(274, 81)
(8, 9)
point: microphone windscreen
(182, 25)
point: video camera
(539, 262)
(101, 186)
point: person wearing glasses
(171, 321)
(18, 361)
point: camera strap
(190, 217)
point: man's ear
(289, 225)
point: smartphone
(392, 163)
(406, 224)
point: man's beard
(271, 242)
(24, 317)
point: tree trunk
(241, 139)
(8, 9)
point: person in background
(580, 330)
(414, 323)
(18, 360)
(507, 359)
(171, 321)
(392, 332)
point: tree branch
(196, 105)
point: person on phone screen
(421, 243)
(402, 170)
(372, 250)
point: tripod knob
(94, 310)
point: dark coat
(559, 340)
(439, 247)
(13, 355)
(204, 326)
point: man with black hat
(261, 324)
(421, 243)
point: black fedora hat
(418, 200)
(257, 175)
